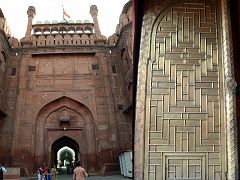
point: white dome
(79, 21)
(70, 21)
(47, 22)
(39, 22)
(86, 21)
(54, 22)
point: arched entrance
(65, 122)
(65, 152)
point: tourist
(2, 170)
(71, 168)
(79, 173)
(40, 173)
(54, 173)
(68, 169)
(45, 171)
(48, 175)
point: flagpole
(65, 14)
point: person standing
(48, 175)
(2, 170)
(54, 172)
(39, 173)
(79, 173)
(45, 171)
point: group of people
(46, 173)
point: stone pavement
(112, 177)
(69, 177)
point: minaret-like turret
(2, 20)
(94, 13)
(3, 24)
(31, 13)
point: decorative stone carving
(230, 84)
(64, 115)
(230, 99)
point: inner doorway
(65, 156)
(65, 152)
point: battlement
(63, 28)
(64, 34)
(64, 39)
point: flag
(65, 15)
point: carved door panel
(184, 115)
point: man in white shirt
(2, 170)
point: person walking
(79, 173)
(48, 175)
(2, 170)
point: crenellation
(75, 34)
(63, 28)
(63, 33)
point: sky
(15, 12)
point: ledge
(59, 53)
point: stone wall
(88, 80)
(6, 123)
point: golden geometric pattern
(185, 166)
(184, 111)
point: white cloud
(15, 11)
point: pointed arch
(62, 142)
(65, 101)
(49, 128)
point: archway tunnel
(64, 153)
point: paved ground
(113, 177)
(69, 177)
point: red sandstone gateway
(65, 95)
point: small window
(31, 68)
(95, 67)
(13, 72)
(3, 57)
(114, 70)
(120, 106)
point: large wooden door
(185, 120)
